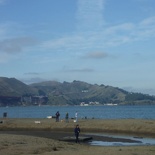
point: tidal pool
(120, 140)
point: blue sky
(97, 41)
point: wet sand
(41, 136)
(60, 135)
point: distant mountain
(14, 92)
(77, 91)
(11, 91)
(14, 87)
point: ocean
(90, 112)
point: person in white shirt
(76, 116)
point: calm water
(137, 141)
(100, 112)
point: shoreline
(138, 127)
(41, 136)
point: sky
(110, 42)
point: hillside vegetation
(73, 93)
(14, 87)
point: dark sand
(60, 135)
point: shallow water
(136, 141)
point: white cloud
(126, 27)
(93, 34)
(148, 22)
(108, 36)
(33, 80)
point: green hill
(11, 91)
(14, 92)
(14, 87)
(75, 92)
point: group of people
(57, 116)
(76, 129)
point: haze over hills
(15, 92)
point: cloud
(89, 24)
(148, 22)
(81, 70)
(96, 55)
(125, 27)
(33, 80)
(140, 90)
(31, 73)
(146, 28)
(89, 15)
(130, 32)
(93, 34)
(16, 45)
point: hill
(76, 92)
(14, 92)
(12, 89)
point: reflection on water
(135, 141)
(101, 143)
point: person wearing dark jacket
(57, 116)
(77, 132)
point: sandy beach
(42, 136)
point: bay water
(90, 112)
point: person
(76, 116)
(57, 116)
(67, 117)
(77, 132)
